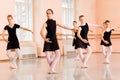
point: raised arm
(3, 36)
(43, 34)
(115, 29)
(79, 36)
(94, 25)
(64, 27)
(26, 29)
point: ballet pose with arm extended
(12, 41)
(50, 39)
(106, 41)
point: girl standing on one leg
(12, 41)
(50, 39)
(106, 42)
(74, 39)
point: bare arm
(102, 36)
(42, 33)
(43, 30)
(115, 29)
(26, 29)
(3, 36)
(94, 25)
(64, 27)
(78, 34)
(73, 35)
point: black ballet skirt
(74, 40)
(107, 38)
(83, 34)
(12, 37)
(51, 34)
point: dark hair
(81, 16)
(107, 21)
(10, 16)
(49, 10)
(74, 21)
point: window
(23, 16)
(68, 14)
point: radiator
(68, 49)
(28, 50)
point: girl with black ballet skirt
(51, 43)
(106, 41)
(12, 41)
(82, 40)
(74, 34)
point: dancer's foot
(52, 72)
(84, 66)
(107, 62)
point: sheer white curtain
(23, 16)
(68, 14)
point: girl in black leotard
(50, 39)
(82, 41)
(106, 41)
(12, 41)
(74, 39)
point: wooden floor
(68, 69)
